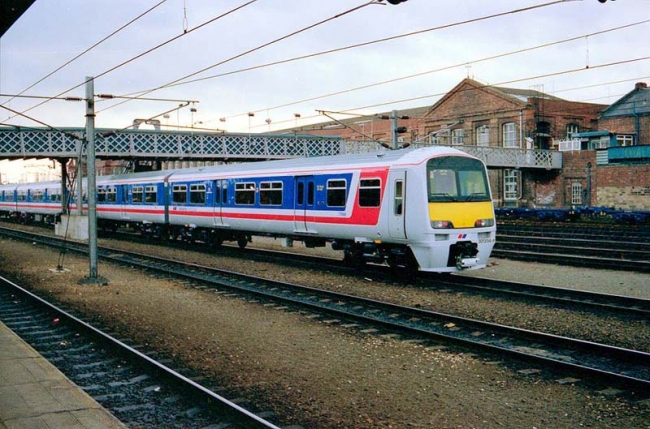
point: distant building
(610, 166)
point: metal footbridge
(62, 143)
(67, 143)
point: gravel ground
(325, 376)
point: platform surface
(34, 394)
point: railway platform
(34, 394)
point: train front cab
(461, 231)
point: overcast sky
(51, 33)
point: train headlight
(441, 224)
(484, 223)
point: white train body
(425, 208)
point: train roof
(319, 163)
(39, 185)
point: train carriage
(8, 200)
(427, 209)
(35, 202)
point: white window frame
(511, 184)
(458, 137)
(509, 134)
(571, 129)
(483, 135)
(625, 139)
(576, 193)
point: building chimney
(640, 85)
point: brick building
(605, 150)
(611, 166)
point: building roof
(635, 102)
(524, 94)
(355, 121)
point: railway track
(609, 364)
(587, 246)
(556, 296)
(137, 389)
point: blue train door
(124, 202)
(220, 199)
(397, 204)
(303, 204)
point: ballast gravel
(321, 375)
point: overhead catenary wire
(368, 43)
(257, 48)
(122, 64)
(449, 67)
(429, 96)
(67, 63)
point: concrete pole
(93, 277)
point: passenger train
(427, 209)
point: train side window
(245, 193)
(300, 194)
(336, 193)
(137, 194)
(222, 191)
(150, 194)
(399, 198)
(271, 193)
(197, 194)
(179, 194)
(21, 196)
(369, 192)
(310, 193)
(37, 196)
(111, 194)
(101, 195)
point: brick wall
(620, 186)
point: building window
(509, 135)
(458, 136)
(571, 129)
(624, 140)
(576, 193)
(483, 135)
(511, 185)
(599, 143)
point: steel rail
(553, 295)
(610, 363)
(242, 415)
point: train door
(220, 199)
(303, 203)
(124, 202)
(397, 204)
